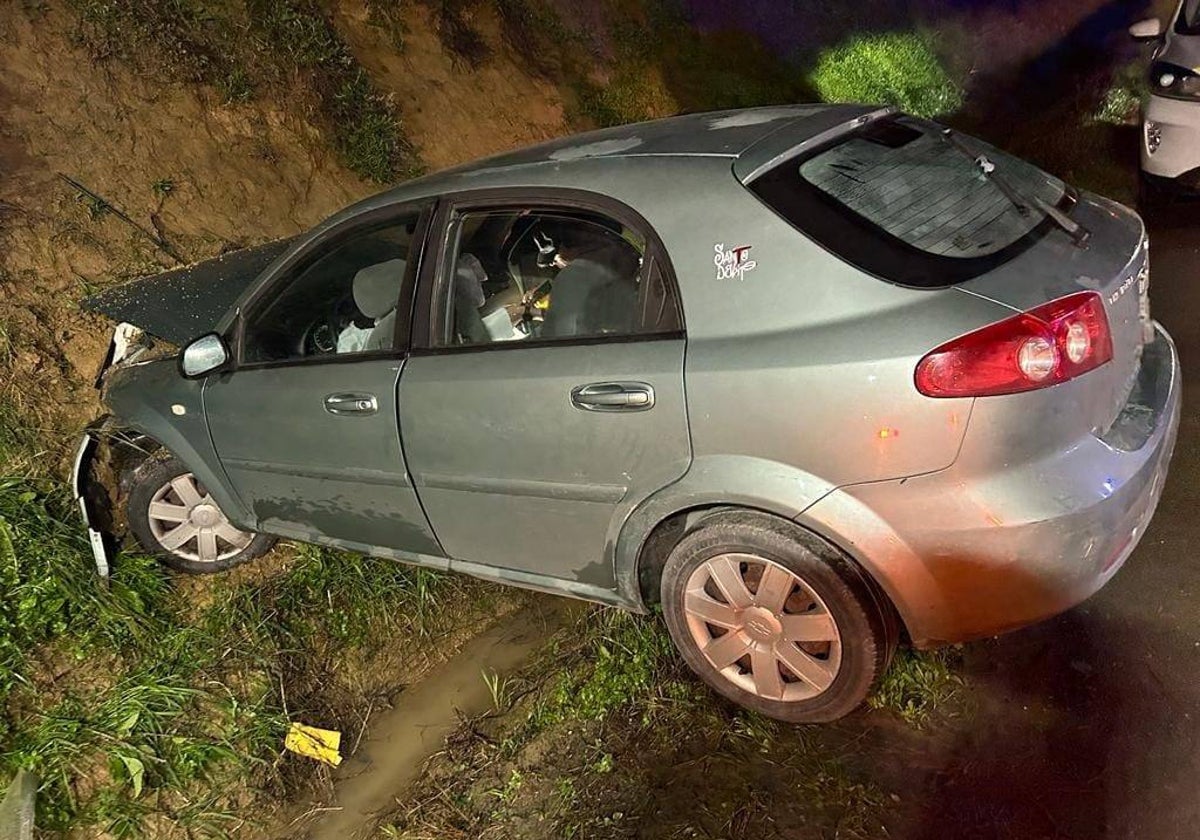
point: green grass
(253, 48)
(918, 684)
(1121, 101)
(587, 736)
(127, 700)
(898, 68)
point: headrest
(377, 287)
(469, 276)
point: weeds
(918, 684)
(1123, 98)
(119, 696)
(162, 188)
(894, 68)
(241, 49)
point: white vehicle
(1171, 118)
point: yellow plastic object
(321, 744)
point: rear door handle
(351, 404)
(613, 396)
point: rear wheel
(775, 619)
(174, 517)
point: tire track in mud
(396, 746)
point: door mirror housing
(204, 355)
(1150, 29)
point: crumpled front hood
(183, 303)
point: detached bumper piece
(79, 473)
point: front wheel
(174, 517)
(774, 619)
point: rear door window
(906, 202)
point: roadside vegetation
(245, 49)
(894, 68)
(607, 731)
(158, 705)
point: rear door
(545, 396)
(306, 423)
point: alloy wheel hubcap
(762, 627)
(187, 522)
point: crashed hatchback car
(812, 378)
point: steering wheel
(321, 337)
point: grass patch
(1122, 101)
(605, 720)
(133, 700)
(918, 684)
(251, 47)
(898, 68)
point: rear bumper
(965, 556)
(1176, 122)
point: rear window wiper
(988, 170)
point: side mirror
(1150, 29)
(203, 355)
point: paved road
(1087, 726)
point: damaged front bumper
(130, 345)
(82, 468)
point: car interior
(342, 302)
(524, 274)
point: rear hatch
(919, 206)
(1114, 263)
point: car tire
(808, 633)
(161, 491)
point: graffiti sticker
(733, 263)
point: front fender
(734, 480)
(154, 399)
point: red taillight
(1044, 346)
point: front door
(306, 423)
(549, 398)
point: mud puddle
(396, 745)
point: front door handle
(613, 396)
(351, 404)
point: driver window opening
(518, 275)
(342, 302)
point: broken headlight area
(131, 345)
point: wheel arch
(658, 525)
(155, 401)
(711, 483)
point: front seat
(595, 294)
(376, 293)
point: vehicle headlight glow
(1172, 80)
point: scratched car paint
(811, 378)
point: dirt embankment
(204, 174)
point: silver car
(812, 378)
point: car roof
(715, 134)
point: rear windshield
(902, 200)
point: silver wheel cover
(186, 522)
(762, 627)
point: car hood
(183, 303)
